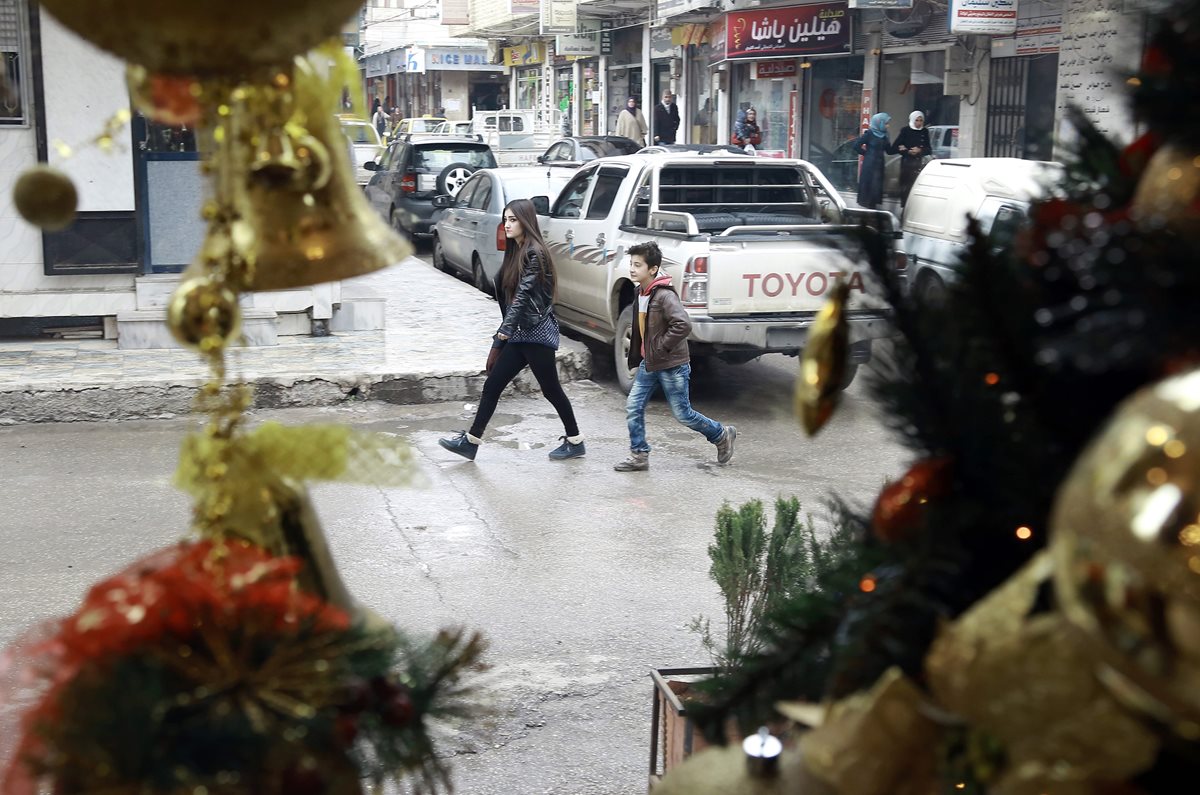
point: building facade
(138, 226)
(994, 84)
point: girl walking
(528, 335)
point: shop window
(14, 88)
(771, 99)
(832, 118)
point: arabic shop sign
(797, 30)
(986, 17)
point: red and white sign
(795, 30)
(987, 17)
(765, 70)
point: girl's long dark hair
(515, 253)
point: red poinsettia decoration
(162, 601)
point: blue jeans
(674, 382)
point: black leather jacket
(533, 301)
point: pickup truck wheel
(621, 345)
(931, 291)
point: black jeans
(512, 361)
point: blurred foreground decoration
(238, 661)
(1027, 616)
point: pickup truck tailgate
(751, 275)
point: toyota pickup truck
(752, 244)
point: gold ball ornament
(1168, 192)
(46, 197)
(823, 363)
(1126, 547)
(204, 39)
(204, 314)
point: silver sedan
(469, 236)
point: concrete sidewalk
(437, 338)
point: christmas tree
(1022, 613)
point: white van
(995, 191)
(517, 136)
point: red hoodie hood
(662, 280)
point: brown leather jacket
(667, 329)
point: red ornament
(1134, 157)
(901, 505)
(174, 100)
(397, 711)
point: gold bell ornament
(287, 210)
(207, 38)
(1126, 547)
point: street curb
(167, 400)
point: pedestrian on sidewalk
(631, 123)
(528, 334)
(873, 145)
(659, 351)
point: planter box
(673, 736)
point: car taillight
(409, 183)
(694, 289)
(501, 238)
(901, 260)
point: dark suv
(414, 169)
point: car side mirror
(541, 158)
(443, 201)
(541, 205)
(371, 165)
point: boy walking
(659, 351)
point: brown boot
(637, 462)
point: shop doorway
(1020, 115)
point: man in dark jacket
(666, 119)
(658, 348)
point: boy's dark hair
(649, 252)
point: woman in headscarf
(913, 145)
(873, 144)
(746, 131)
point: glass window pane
(570, 201)
(483, 195)
(607, 186)
(13, 85)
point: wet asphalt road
(582, 578)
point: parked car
(417, 167)
(574, 151)
(469, 235)
(453, 128)
(944, 141)
(424, 124)
(753, 243)
(518, 136)
(365, 143)
(704, 149)
(995, 191)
